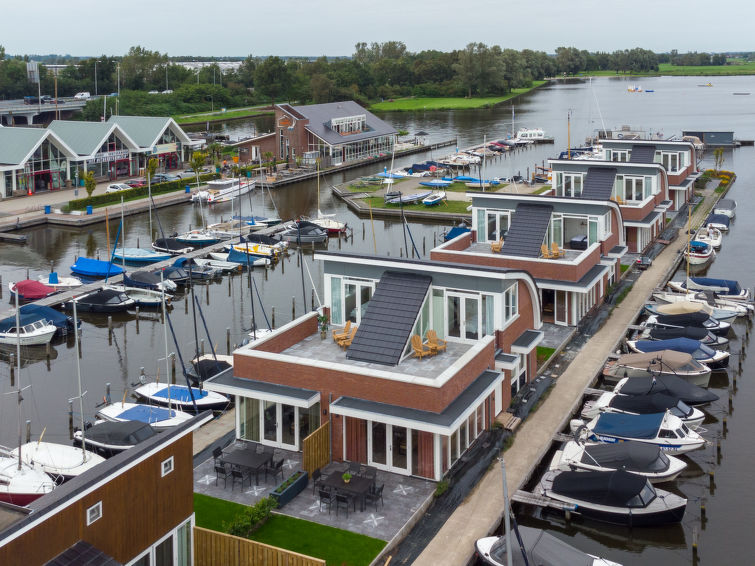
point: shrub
(441, 488)
(291, 479)
(251, 519)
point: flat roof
(587, 280)
(226, 382)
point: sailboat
(61, 460)
(20, 483)
(326, 221)
(135, 256)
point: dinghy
(434, 199)
(59, 283)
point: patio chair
(325, 498)
(221, 470)
(260, 449)
(371, 474)
(419, 350)
(435, 343)
(343, 500)
(342, 334)
(346, 342)
(545, 252)
(354, 468)
(275, 468)
(374, 495)
(317, 479)
(496, 247)
(217, 454)
(556, 251)
(240, 474)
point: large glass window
(336, 312)
(510, 307)
(309, 421)
(378, 443)
(488, 314)
(250, 419)
(481, 230)
(164, 553)
(497, 224)
(270, 421)
(183, 540)
(438, 308)
(288, 424)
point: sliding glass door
(388, 447)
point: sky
(333, 27)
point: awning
(506, 361)
(646, 222)
(527, 341)
(227, 383)
(582, 286)
(617, 251)
(444, 423)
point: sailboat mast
(18, 374)
(568, 134)
(689, 236)
(165, 337)
(78, 377)
(123, 241)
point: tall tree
(272, 78)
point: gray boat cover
(644, 404)
(666, 360)
(630, 456)
(671, 385)
(615, 488)
(128, 433)
(541, 548)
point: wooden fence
(212, 548)
(315, 449)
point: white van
(81, 96)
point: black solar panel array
(642, 154)
(389, 319)
(599, 183)
(527, 230)
(82, 554)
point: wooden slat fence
(212, 548)
(315, 449)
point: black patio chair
(217, 454)
(326, 497)
(354, 468)
(221, 470)
(275, 467)
(260, 449)
(343, 500)
(317, 479)
(371, 474)
(375, 495)
(240, 474)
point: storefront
(31, 161)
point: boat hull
(614, 373)
(37, 339)
(631, 518)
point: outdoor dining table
(358, 487)
(248, 458)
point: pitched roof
(319, 116)
(599, 183)
(86, 138)
(82, 554)
(527, 230)
(17, 143)
(389, 319)
(642, 154)
(145, 130)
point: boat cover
(671, 384)
(645, 404)
(629, 426)
(185, 262)
(615, 488)
(726, 204)
(126, 433)
(147, 414)
(541, 548)
(697, 247)
(455, 232)
(103, 297)
(732, 286)
(39, 312)
(692, 332)
(693, 347)
(24, 318)
(683, 319)
(259, 239)
(664, 361)
(33, 290)
(632, 456)
(180, 393)
(95, 268)
(718, 219)
(170, 244)
(146, 279)
(205, 369)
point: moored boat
(158, 417)
(58, 460)
(698, 253)
(171, 246)
(60, 283)
(302, 232)
(223, 190)
(434, 199)
(146, 298)
(108, 438)
(711, 236)
(718, 221)
(180, 396)
(670, 384)
(223, 265)
(714, 359)
(95, 268)
(682, 307)
(101, 301)
(663, 363)
(726, 206)
(21, 485)
(30, 290)
(33, 333)
(148, 280)
(610, 402)
(724, 288)
(241, 259)
(139, 256)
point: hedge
(136, 193)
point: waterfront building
(136, 508)
(587, 236)
(387, 407)
(336, 133)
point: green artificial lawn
(452, 206)
(336, 546)
(543, 354)
(429, 103)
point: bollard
(731, 404)
(293, 308)
(272, 318)
(712, 476)
(229, 286)
(702, 510)
(267, 268)
(47, 350)
(434, 239)
(207, 294)
(694, 543)
(28, 431)
(141, 373)
(186, 303)
(297, 259)
(1, 286)
(201, 346)
(228, 340)
(107, 393)
(283, 268)
(339, 242)
(137, 319)
(718, 451)
(27, 273)
(401, 252)
(726, 428)
(362, 230)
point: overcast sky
(332, 27)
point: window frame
(97, 507)
(167, 463)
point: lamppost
(95, 77)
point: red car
(140, 182)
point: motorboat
(206, 366)
(59, 283)
(21, 485)
(257, 221)
(281, 246)
(158, 417)
(199, 272)
(145, 298)
(529, 135)
(436, 183)
(302, 232)
(58, 460)
(664, 430)
(616, 497)
(148, 280)
(95, 268)
(724, 288)
(610, 402)
(663, 363)
(171, 246)
(223, 190)
(711, 236)
(709, 298)
(101, 301)
(108, 438)
(670, 384)
(223, 265)
(139, 256)
(714, 359)
(540, 547)
(645, 460)
(176, 275)
(34, 333)
(330, 225)
(434, 199)
(180, 396)
(718, 221)
(684, 307)
(698, 253)
(696, 319)
(199, 238)
(666, 327)
(726, 206)
(29, 290)
(241, 253)
(241, 259)
(409, 199)
(29, 313)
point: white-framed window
(166, 466)
(348, 298)
(569, 184)
(94, 513)
(510, 303)
(497, 224)
(673, 161)
(618, 155)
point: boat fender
(574, 424)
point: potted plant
(323, 323)
(346, 477)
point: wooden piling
(712, 483)
(423, 245)
(695, 539)
(70, 418)
(702, 510)
(201, 346)
(313, 292)
(107, 393)
(272, 318)
(109, 323)
(28, 430)
(173, 367)
(228, 340)
(137, 319)
(293, 308)
(1, 286)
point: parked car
(154, 92)
(46, 99)
(30, 100)
(113, 94)
(139, 182)
(82, 96)
(190, 174)
(164, 178)
(116, 187)
(167, 91)
(643, 262)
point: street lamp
(95, 77)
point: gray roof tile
(389, 318)
(527, 230)
(642, 154)
(319, 115)
(599, 183)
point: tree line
(374, 71)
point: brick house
(386, 407)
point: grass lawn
(543, 354)
(736, 68)
(336, 546)
(219, 117)
(452, 206)
(543, 189)
(428, 103)
(623, 267)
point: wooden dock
(13, 238)
(536, 500)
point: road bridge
(15, 112)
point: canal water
(569, 110)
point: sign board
(165, 148)
(32, 72)
(108, 156)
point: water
(676, 104)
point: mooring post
(293, 308)
(28, 431)
(137, 319)
(70, 418)
(694, 542)
(313, 293)
(107, 393)
(201, 346)
(424, 251)
(272, 318)
(228, 340)
(173, 367)
(702, 510)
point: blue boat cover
(455, 232)
(693, 347)
(718, 219)
(180, 393)
(95, 267)
(698, 247)
(629, 426)
(33, 313)
(147, 414)
(731, 285)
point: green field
(736, 68)
(452, 206)
(221, 116)
(411, 104)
